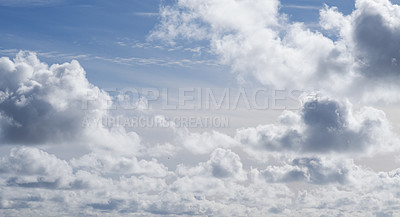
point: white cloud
(202, 143)
(371, 34)
(222, 164)
(27, 3)
(30, 167)
(302, 7)
(255, 39)
(216, 186)
(109, 164)
(145, 14)
(324, 125)
(313, 170)
(249, 39)
(43, 104)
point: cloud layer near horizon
(252, 173)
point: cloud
(371, 33)
(51, 105)
(312, 170)
(109, 205)
(29, 167)
(220, 185)
(108, 164)
(202, 143)
(256, 40)
(222, 164)
(41, 104)
(146, 14)
(27, 3)
(302, 7)
(379, 52)
(324, 125)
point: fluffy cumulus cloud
(324, 125)
(28, 167)
(313, 170)
(371, 34)
(372, 31)
(254, 38)
(305, 165)
(41, 104)
(44, 104)
(222, 164)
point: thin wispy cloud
(146, 14)
(127, 61)
(302, 7)
(29, 3)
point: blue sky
(104, 31)
(97, 29)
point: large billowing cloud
(42, 104)
(246, 35)
(372, 31)
(255, 39)
(371, 34)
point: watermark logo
(197, 99)
(157, 122)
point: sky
(199, 108)
(112, 30)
